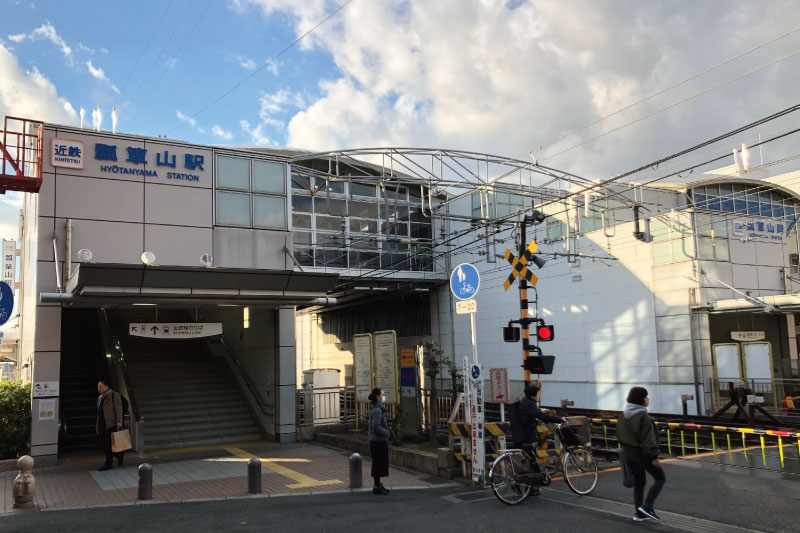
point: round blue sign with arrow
(476, 371)
(6, 302)
(465, 281)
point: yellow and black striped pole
(523, 306)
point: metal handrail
(119, 365)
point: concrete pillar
(46, 369)
(791, 341)
(285, 375)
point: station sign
(173, 330)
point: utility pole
(523, 303)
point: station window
(250, 193)
(744, 199)
(672, 239)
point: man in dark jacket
(530, 414)
(639, 438)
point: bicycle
(517, 471)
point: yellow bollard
(730, 455)
(780, 447)
(683, 445)
(669, 443)
(713, 444)
(763, 454)
(605, 434)
(744, 449)
(696, 452)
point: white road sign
(362, 361)
(385, 343)
(466, 307)
(43, 389)
(498, 385)
(174, 330)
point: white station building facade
(208, 283)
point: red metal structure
(22, 148)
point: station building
(208, 283)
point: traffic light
(545, 333)
(540, 364)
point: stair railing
(118, 369)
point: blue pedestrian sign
(6, 302)
(476, 372)
(465, 281)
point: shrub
(15, 419)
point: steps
(185, 396)
(82, 363)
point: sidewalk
(214, 472)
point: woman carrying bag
(379, 435)
(639, 438)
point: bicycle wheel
(580, 471)
(504, 482)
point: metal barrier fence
(337, 405)
(770, 393)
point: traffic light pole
(523, 303)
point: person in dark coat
(638, 436)
(109, 419)
(530, 413)
(379, 435)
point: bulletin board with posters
(363, 366)
(386, 375)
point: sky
(505, 77)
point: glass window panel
(301, 204)
(395, 228)
(702, 223)
(397, 213)
(399, 262)
(422, 262)
(476, 205)
(300, 181)
(362, 189)
(726, 198)
(334, 187)
(233, 172)
(233, 208)
(329, 223)
(739, 199)
(364, 209)
(712, 196)
(364, 259)
(681, 224)
(392, 192)
(421, 231)
(333, 240)
(658, 229)
(555, 230)
(301, 221)
(269, 212)
(329, 206)
(301, 237)
(752, 203)
(713, 249)
(335, 258)
(362, 242)
(764, 204)
(362, 225)
(417, 216)
(269, 177)
(415, 195)
(304, 256)
(789, 212)
(777, 205)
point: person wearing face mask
(378, 440)
(639, 438)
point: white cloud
(246, 62)
(9, 231)
(98, 73)
(12, 198)
(189, 120)
(479, 75)
(219, 132)
(170, 64)
(256, 134)
(45, 31)
(31, 94)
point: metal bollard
(254, 476)
(145, 482)
(355, 471)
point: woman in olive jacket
(639, 438)
(379, 435)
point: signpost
(6, 302)
(169, 330)
(362, 361)
(464, 284)
(499, 393)
(385, 343)
(45, 389)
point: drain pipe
(55, 259)
(68, 229)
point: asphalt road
(697, 498)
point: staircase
(82, 363)
(186, 396)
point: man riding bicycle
(529, 412)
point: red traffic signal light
(545, 333)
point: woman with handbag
(379, 435)
(109, 420)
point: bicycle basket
(576, 435)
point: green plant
(434, 359)
(456, 376)
(15, 419)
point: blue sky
(505, 77)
